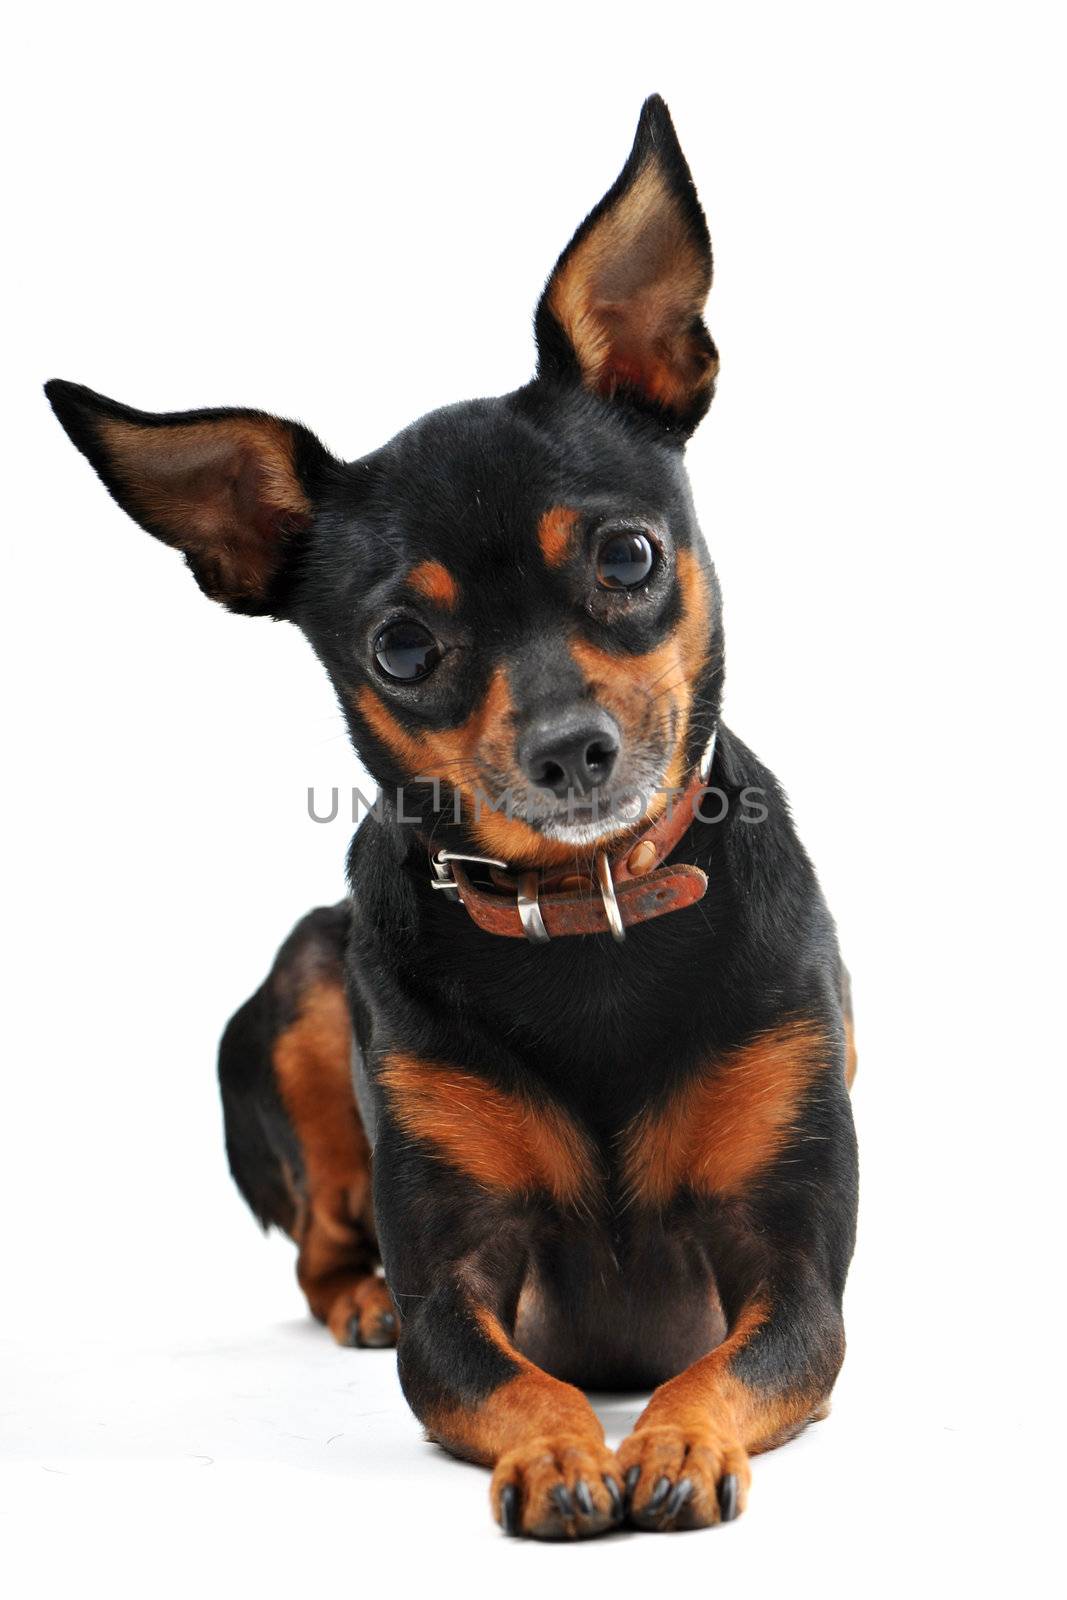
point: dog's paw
(683, 1478)
(559, 1488)
(364, 1315)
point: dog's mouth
(584, 819)
(578, 819)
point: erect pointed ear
(623, 307)
(233, 490)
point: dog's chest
(618, 1309)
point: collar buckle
(606, 884)
(533, 923)
(442, 872)
(529, 905)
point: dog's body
(597, 1162)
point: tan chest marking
(503, 1141)
(729, 1122)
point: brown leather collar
(630, 886)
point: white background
(348, 220)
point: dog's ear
(623, 308)
(232, 490)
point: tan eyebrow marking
(554, 533)
(436, 583)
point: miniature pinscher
(572, 1062)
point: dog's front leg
(481, 1399)
(686, 1462)
(465, 1177)
(765, 1153)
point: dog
(583, 1015)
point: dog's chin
(584, 824)
(582, 835)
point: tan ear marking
(225, 492)
(629, 296)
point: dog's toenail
(563, 1500)
(509, 1509)
(658, 1495)
(680, 1494)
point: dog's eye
(406, 651)
(624, 560)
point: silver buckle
(442, 876)
(533, 923)
(607, 894)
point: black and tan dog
(601, 1059)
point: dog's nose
(571, 754)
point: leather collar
(632, 885)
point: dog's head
(511, 597)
